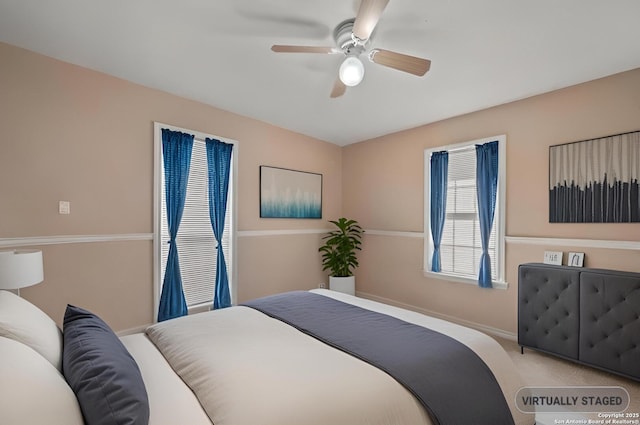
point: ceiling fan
(352, 37)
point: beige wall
(383, 189)
(69, 133)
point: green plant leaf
(340, 244)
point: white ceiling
(483, 53)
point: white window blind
(461, 244)
(195, 240)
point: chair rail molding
(66, 239)
(521, 240)
(582, 243)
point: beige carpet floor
(542, 370)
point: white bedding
(171, 401)
(249, 369)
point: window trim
(499, 280)
(157, 205)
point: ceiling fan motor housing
(345, 40)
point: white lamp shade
(351, 71)
(19, 269)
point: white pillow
(32, 390)
(24, 322)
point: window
(461, 246)
(195, 239)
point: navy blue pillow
(101, 372)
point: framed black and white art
(595, 181)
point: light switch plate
(64, 207)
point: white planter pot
(346, 285)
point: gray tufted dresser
(590, 316)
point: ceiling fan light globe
(351, 71)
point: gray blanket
(453, 384)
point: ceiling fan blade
(368, 17)
(338, 88)
(303, 49)
(411, 64)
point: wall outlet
(322, 285)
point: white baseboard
(500, 333)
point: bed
(236, 366)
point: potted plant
(339, 254)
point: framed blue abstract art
(290, 194)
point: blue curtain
(176, 152)
(487, 185)
(439, 172)
(218, 169)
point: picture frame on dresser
(575, 259)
